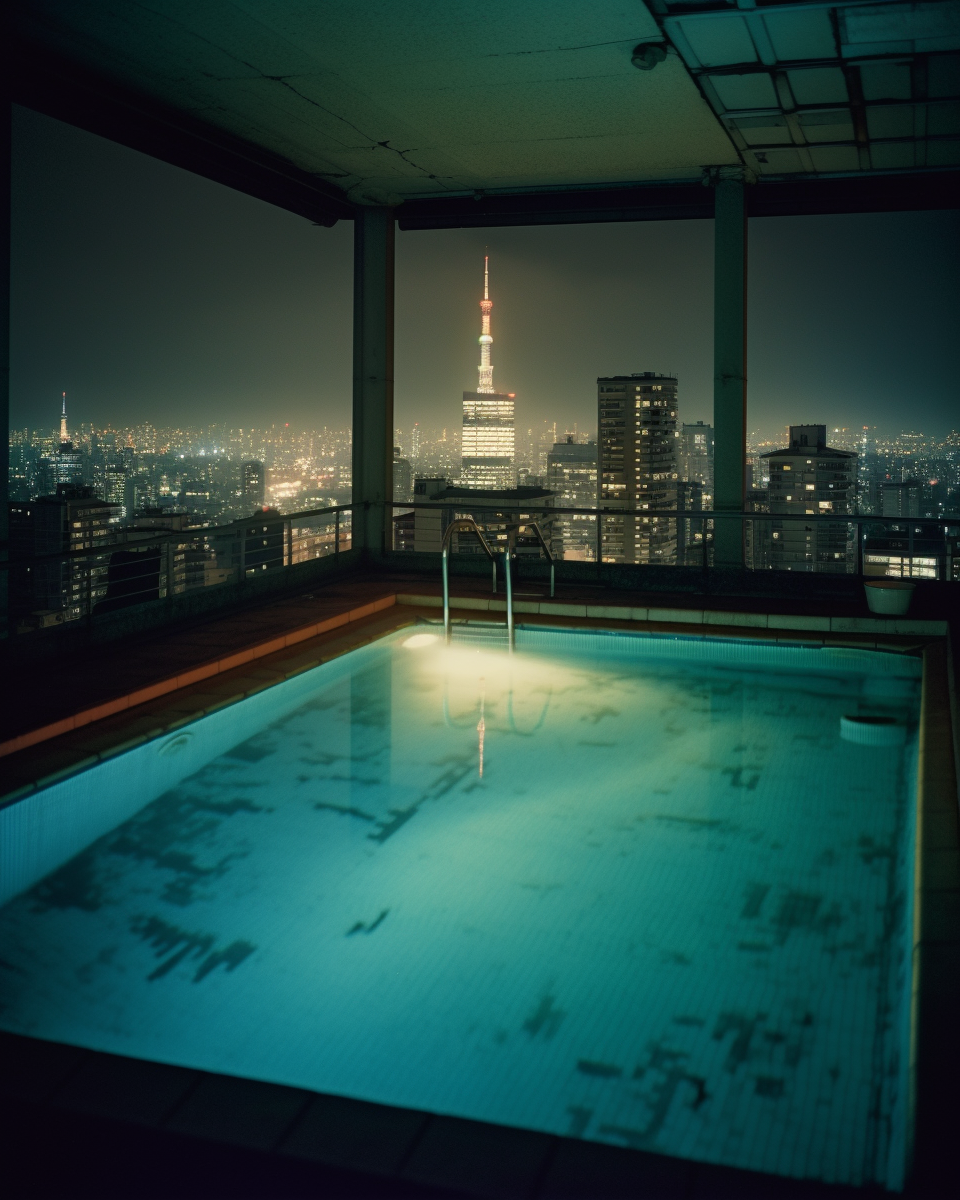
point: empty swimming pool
(652, 891)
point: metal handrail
(470, 525)
(512, 537)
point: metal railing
(468, 525)
(153, 567)
(144, 566)
(840, 543)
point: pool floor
(651, 901)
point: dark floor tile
(727, 1183)
(353, 1133)
(244, 1112)
(591, 1171)
(479, 1159)
(31, 1070)
(125, 1089)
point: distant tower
(486, 341)
(488, 443)
(64, 436)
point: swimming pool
(647, 890)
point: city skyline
(232, 308)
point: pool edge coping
(935, 796)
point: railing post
(243, 554)
(336, 535)
(599, 553)
(445, 570)
(729, 367)
(288, 542)
(860, 560)
(909, 550)
(506, 572)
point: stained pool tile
(354, 1134)
(244, 1112)
(590, 1170)
(486, 1160)
(125, 1089)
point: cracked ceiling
(388, 102)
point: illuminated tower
(488, 445)
(64, 436)
(486, 341)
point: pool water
(633, 889)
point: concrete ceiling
(389, 102)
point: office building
(488, 440)
(402, 478)
(253, 485)
(810, 478)
(638, 437)
(572, 477)
(695, 455)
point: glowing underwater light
(419, 640)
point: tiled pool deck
(403, 1148)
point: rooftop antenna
(64, 436)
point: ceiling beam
(60, 89)
(687, 201)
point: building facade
(572, 477)
(637, 445)
(497, 512)
(253, 484)
(695, 456)
(66, 589)
(810, 478)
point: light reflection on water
(643, 900)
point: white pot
(890, 597)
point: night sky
(150, 294)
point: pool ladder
(467, 524)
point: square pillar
(5, 173)
(373, 299)
(729, 367)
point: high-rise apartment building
(74, 519)
(253, 485)
(488, 440)
(695, 455)
(637, 443)
(810, 478)
(901, 499)
(572, 477)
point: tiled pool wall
(45, 830)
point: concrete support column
(373, 288)
(729, 367)
(5, 173)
